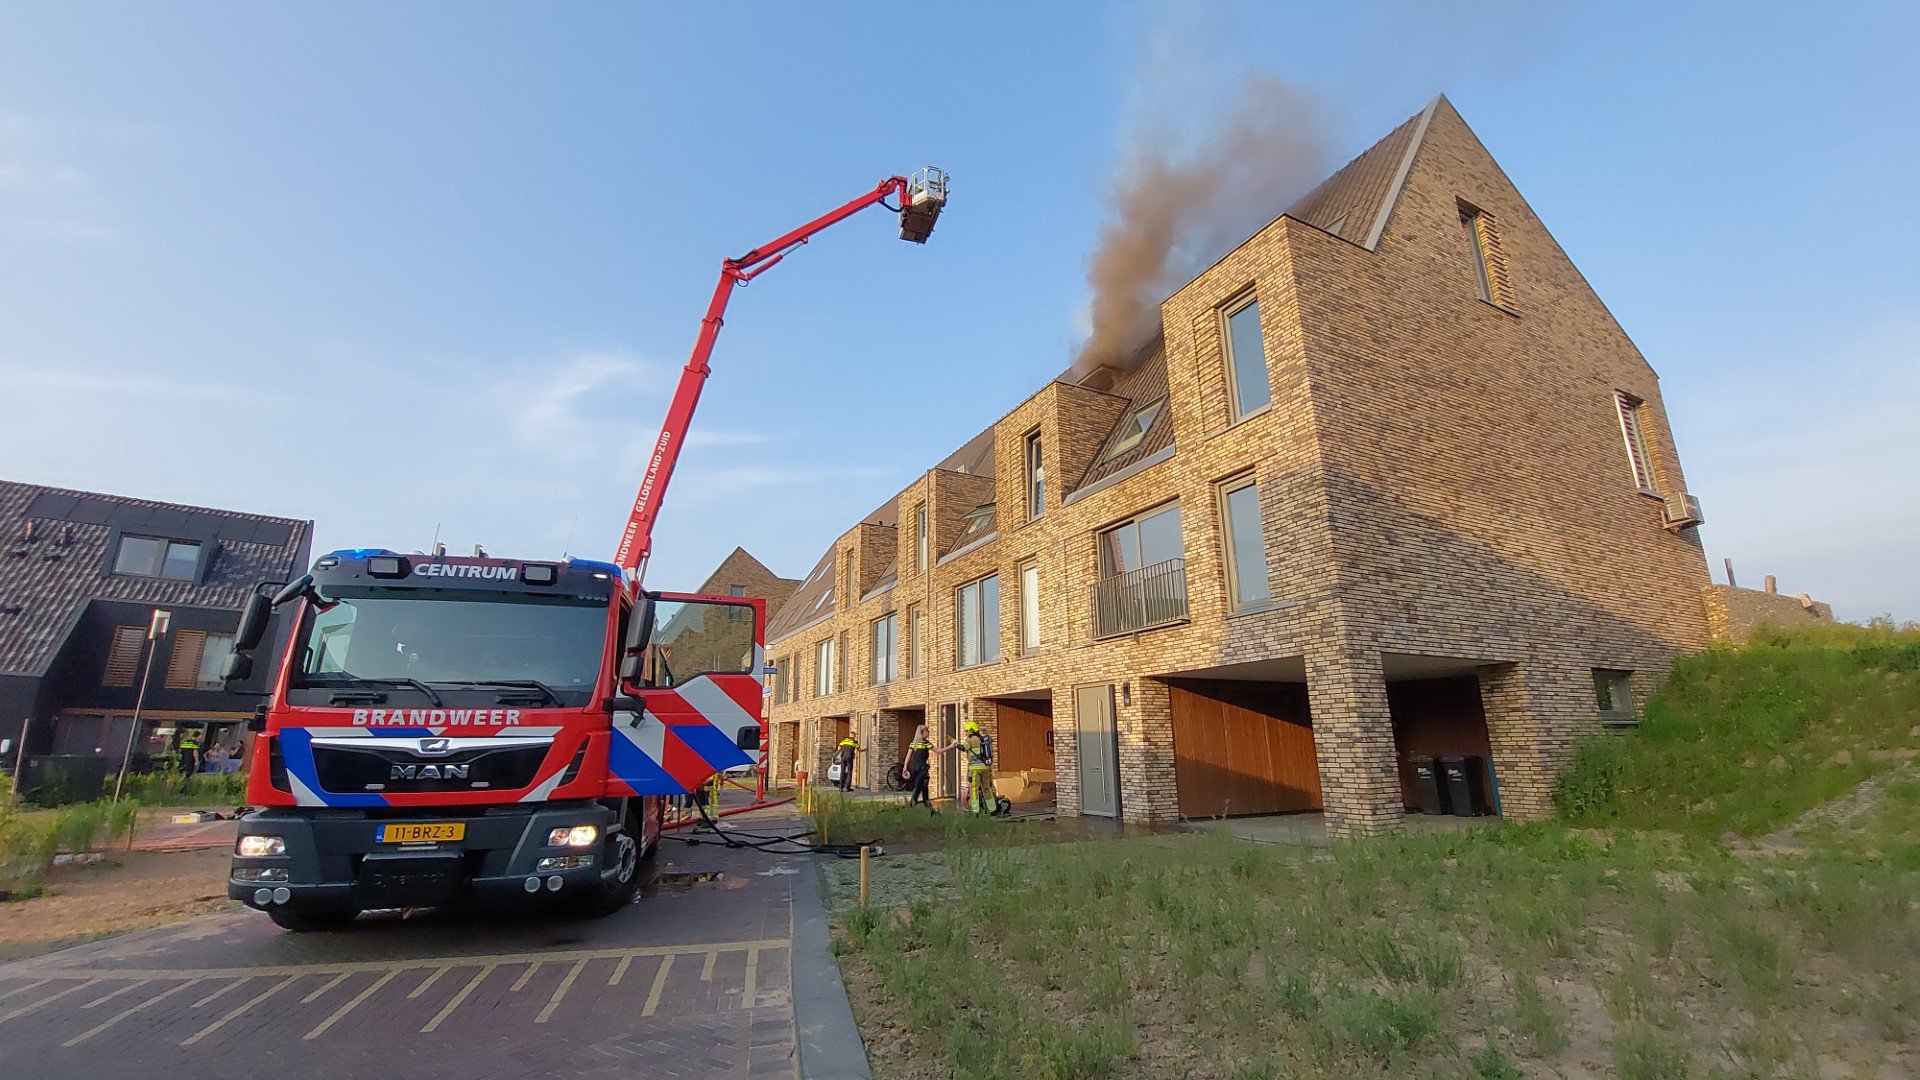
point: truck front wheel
(301, 922)
(614, 890)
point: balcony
(1140, 599)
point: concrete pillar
(1353, 737)
(1148, 788)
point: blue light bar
(595, 564)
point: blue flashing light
(360, 553)
(594, 564)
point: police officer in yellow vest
(189, 757)
(918, 767)
(843, 757)
(981, 798)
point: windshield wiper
(399, 680)
(534, 685)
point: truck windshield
(451, 639)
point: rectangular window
(1629, 407)
(1489, 267)
(213, 661)
(1036, 478)
(1613, 694)
(781, 674)
(1247, 360)
(1246, 542)
(920, 538)
(840, 678)
(1029, 607)
(976, 622)
(1151, 538)
(823, 669)
(886, 650)
(916, 639)
(147, 556)
(123, 659)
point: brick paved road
(691, 981)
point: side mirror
(748, 737)
(639, 633)
(253, 623)
(295, 589)
(239, 667)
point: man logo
(429, 772)
(436, 746)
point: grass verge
(1489, 953)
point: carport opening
(1023, 749)
(1442, 720)
(1243, 747)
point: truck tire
(609, 893)
(301, 922)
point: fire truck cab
(444, 729)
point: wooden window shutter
(124, 660)
(183, 666)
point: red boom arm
(636, 542)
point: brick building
(1391, 483)
(81, 575)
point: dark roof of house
(1142, 384)
(54, 550)
(815, 598)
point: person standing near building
(917, 765)
(189, 756)
(973, 744)
(843, 757)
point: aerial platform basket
(920, 206)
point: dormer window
(979, 521)
(151, 556)
(1135, 427)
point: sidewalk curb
(827, 1039)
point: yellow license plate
(427, 832)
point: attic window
(1338, 225)
(151, 556)
(1489, 262)
(1135, 428)
(825, 599)
(979, 521)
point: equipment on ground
(448, 728)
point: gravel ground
(130, 891)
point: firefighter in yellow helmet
(978, 751)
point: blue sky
(401, 268)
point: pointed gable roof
(1355, 203)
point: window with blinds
(1636, 441)
(1489, 262)
(123, 660)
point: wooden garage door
(1243, 748)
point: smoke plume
(1171, 214)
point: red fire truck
(444, 728)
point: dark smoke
(1169, 217)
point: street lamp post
(156, 629)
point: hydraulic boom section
(921, 196)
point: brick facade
(1443, 484)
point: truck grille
(353, 770)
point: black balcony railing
(1150, 596)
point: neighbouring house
(81, 576)
(1391, 486)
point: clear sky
(407, 268)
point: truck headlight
(260, 847)
(577, 836)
